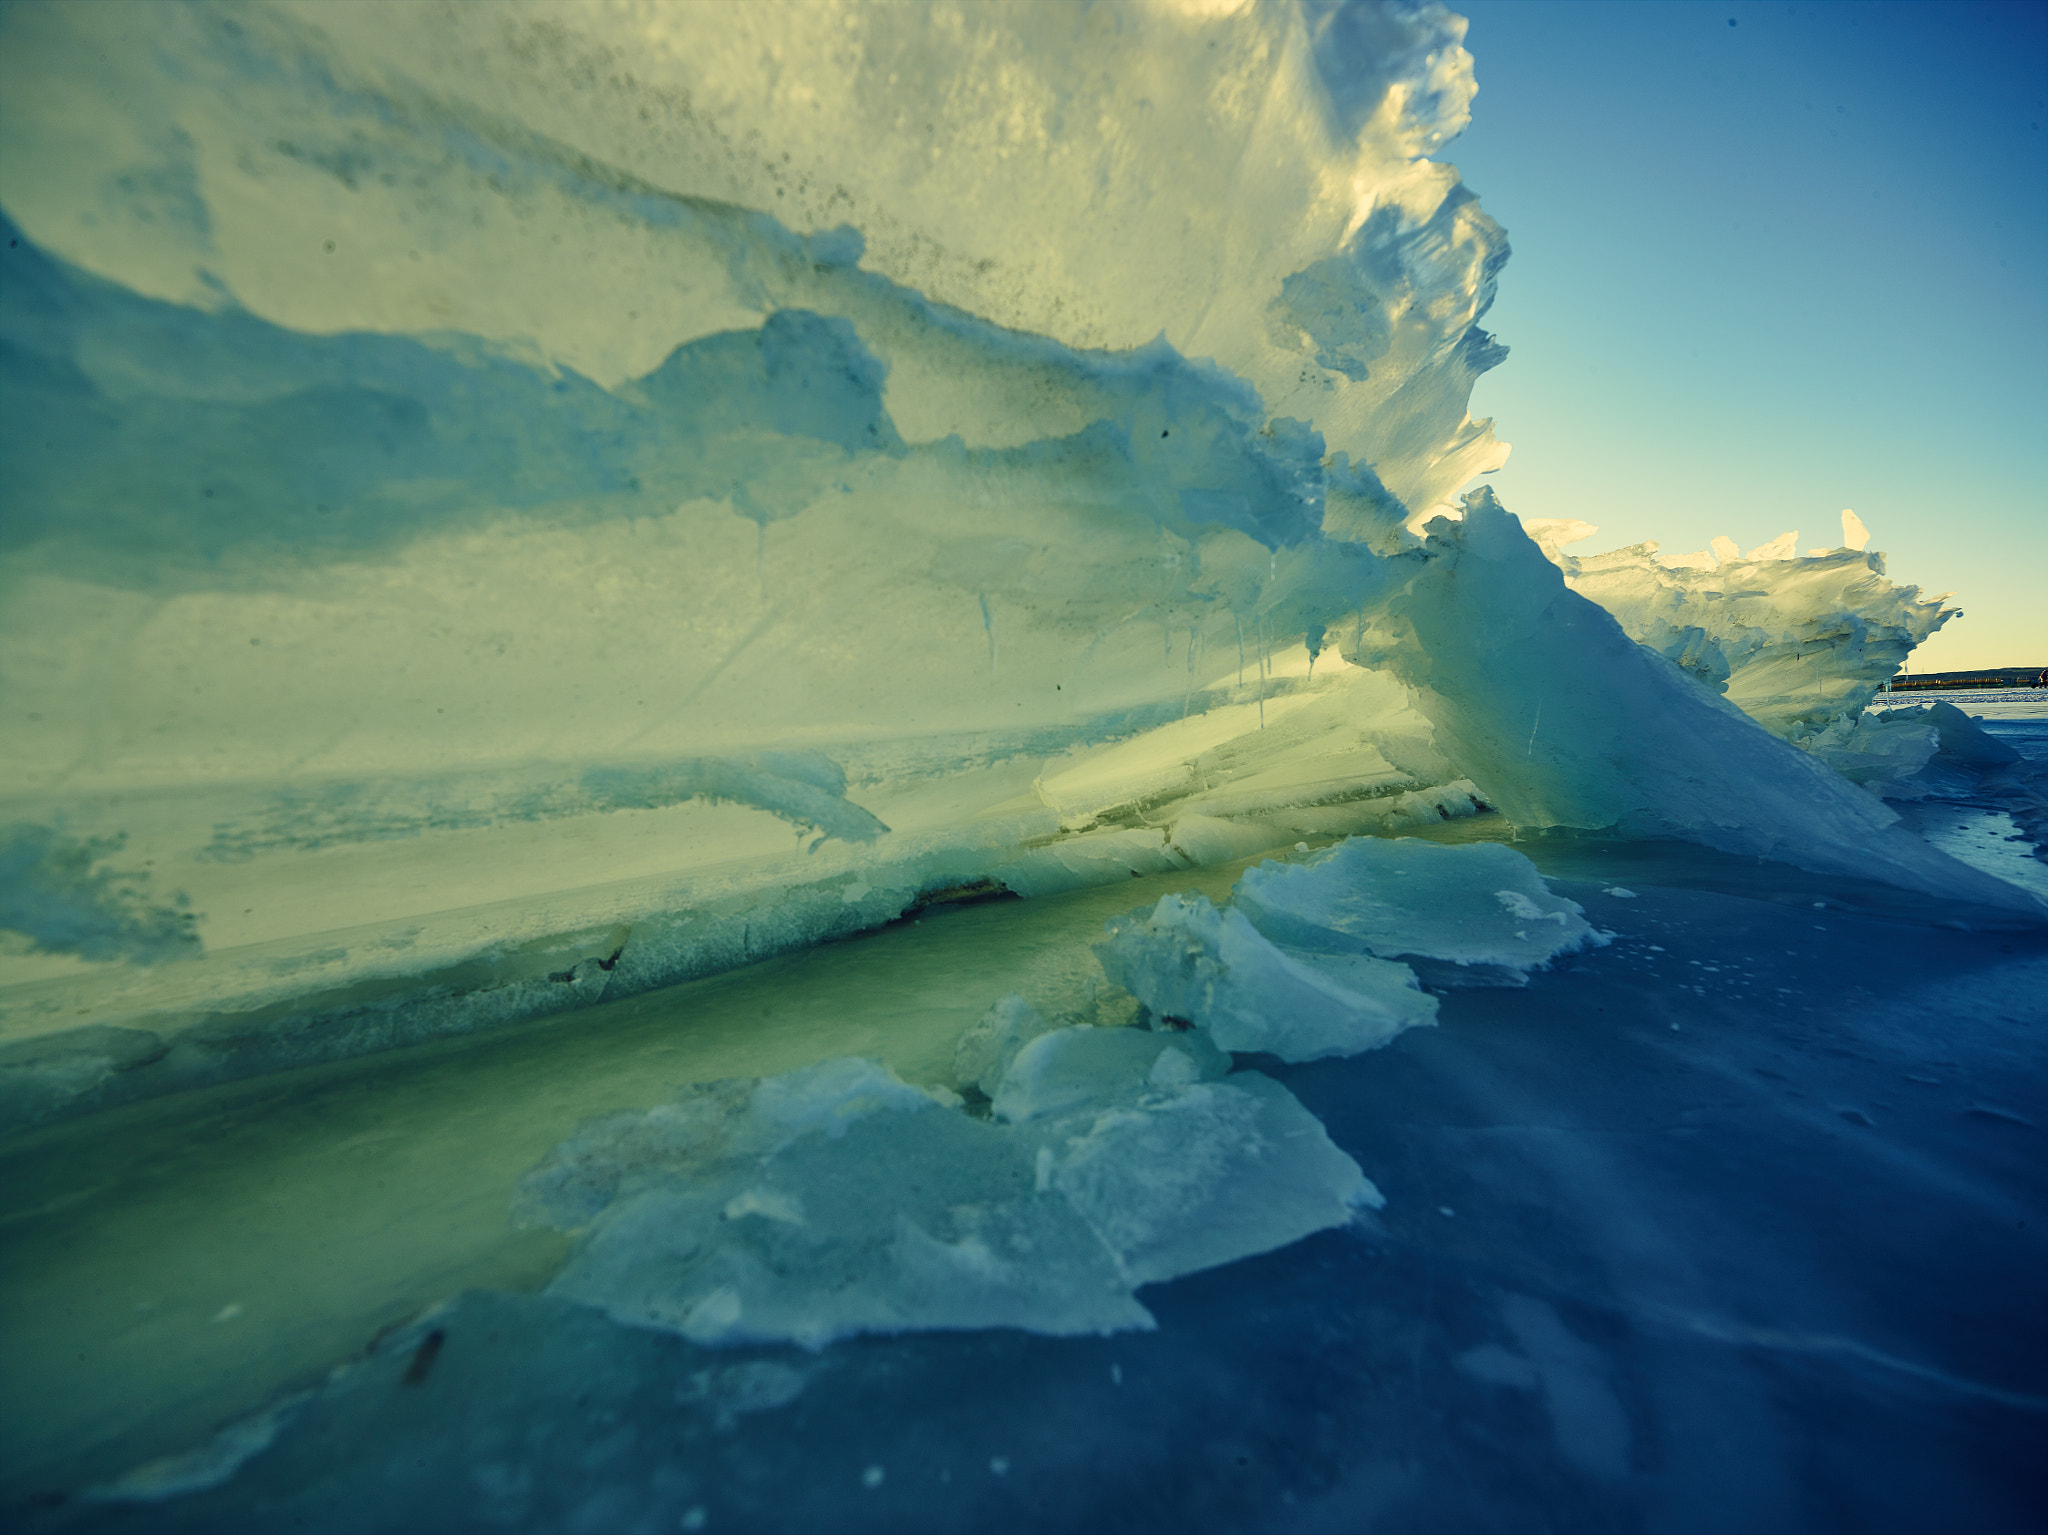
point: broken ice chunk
(924, 1219)
(1074, 1068)
(1186, 960)
(1478, 909)
(985, 1051)
(1784, 547)
(837, 1200)
(1217, 1172)
(605, 1160)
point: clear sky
(1766, 271)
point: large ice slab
(1544, 699)
(837, 1200)
(1480, 907)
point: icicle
(1262, 671)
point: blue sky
(1766, 271)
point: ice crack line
(1847, 1348)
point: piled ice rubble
(1800, 643)
(1320, 957)
(837, 1199)
(1564, 721)
(1187, 961)
(481, 480)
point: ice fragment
(1479, 907)
(1187, 960)
(837, 1200)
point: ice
(1479, 907)
(920, 1221)
(1214, 1172)
(1799, 644)
(986, 1050)
(1495, 646)
(1635, 1224)
(1191, 964)
(836, 1200)
(490, 544)
(643, 562)
(211, 1465)
(1077, 1067)
(63, 896)
(1319, 957)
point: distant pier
(1997, 677)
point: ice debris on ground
(1479, 906)
(1320, 957)
(836, 1199)
(1192, 964)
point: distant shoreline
(1995, 677)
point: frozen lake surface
(1736, 1223)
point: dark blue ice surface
(1738, 1225)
